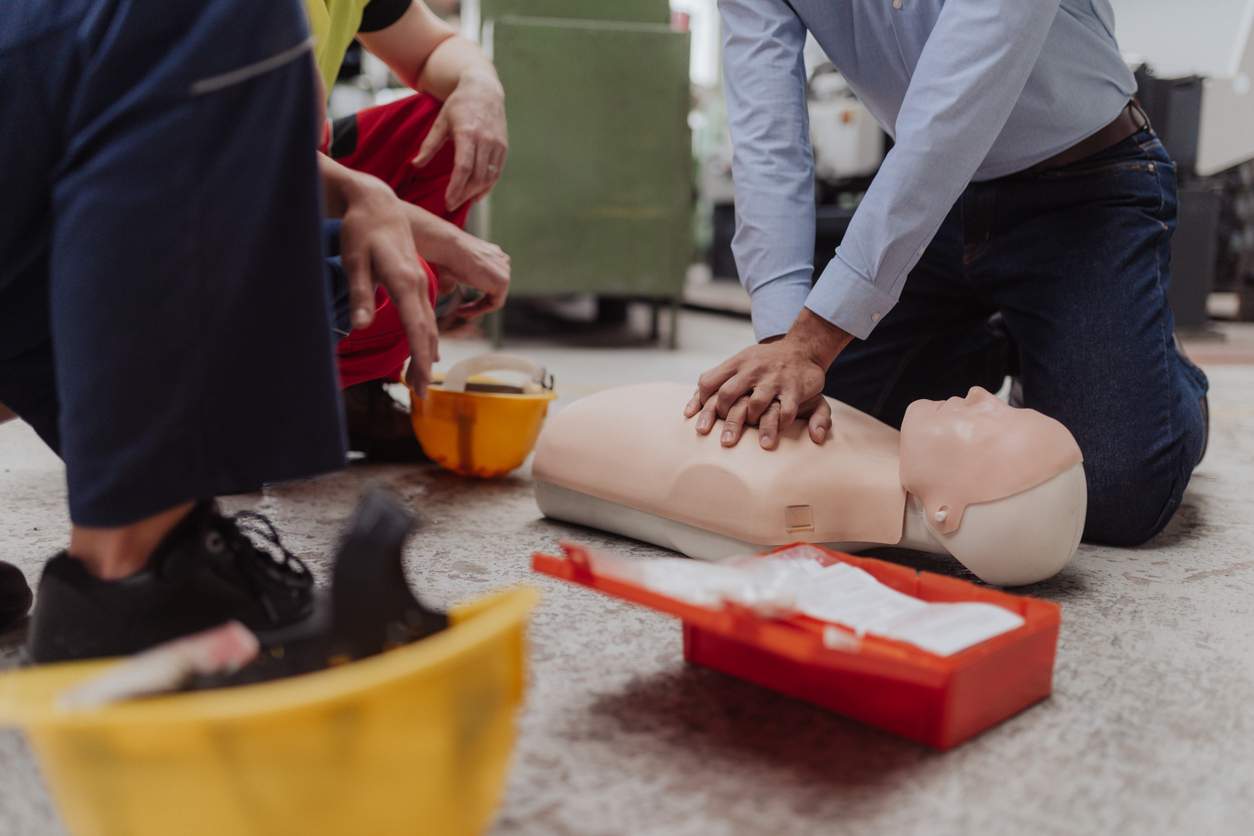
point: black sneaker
(205, 572)
(15, 596)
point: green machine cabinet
(596, 195)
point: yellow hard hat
(415, 740)
(477, 426)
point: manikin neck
(916, 533)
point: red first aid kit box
(939, 701)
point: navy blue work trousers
(1076, 261)
(163, 314)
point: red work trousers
(382, 141)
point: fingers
(422, 333)
(423, 354)
(769, 384)
(476, 167)
(722, 387)
(406, 283)
(464, 162)
(713, 380)
(769, 426)
(484, 304)
(706, 416)
(777, 417)
(361, 302)
(448, 282)
(734, 424)
(820, 421)
(757, 397)
(708, 384)
(771, 422)
(715, 407)
(487, 170)
(496, 164)
(760, 399)
(487, 270)
(436, 137)
(376, 244)
(694, 405)
(483, 183)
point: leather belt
(1130, 120)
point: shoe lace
(266, 563)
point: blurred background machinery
(597, 194)
(1194, 66)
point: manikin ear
(1023, 538)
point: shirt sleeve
(970, 74)
(772, 164)
(380, 14)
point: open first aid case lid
(894, 685)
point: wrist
(345, 187)
(484, 78)
(817, 338)
(357, 185)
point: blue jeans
(1076, 261)
(163, 319)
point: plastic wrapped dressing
(796, 581)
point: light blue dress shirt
(968, 89)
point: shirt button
(876, 317)
(896, 4)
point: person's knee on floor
(1131, 497)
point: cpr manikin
(1000, 489)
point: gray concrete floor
(1150, 728)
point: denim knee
(1133, 500)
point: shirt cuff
(847, 300)
(776, 306)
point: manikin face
(977, 449)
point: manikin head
(1002, 489)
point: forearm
(439, 241)
(455, 62)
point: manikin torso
(999, 488)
